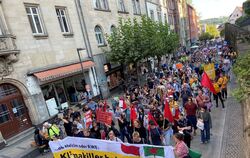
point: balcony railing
(7, 44)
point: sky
(215, 8)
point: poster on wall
(52, 106)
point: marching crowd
(168, 110)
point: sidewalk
(23, 149)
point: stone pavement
(227, 132)
(233, 130)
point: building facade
(183, 23)
(237, 13)
(193, 24)
(39, 65)
(100, 18)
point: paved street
(226, 140)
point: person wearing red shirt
(191, 109)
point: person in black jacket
(154, 134)
(124, 130)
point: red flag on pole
(133, 115)
(167, 113)
(150, 117)
(206, 82)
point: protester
(180, 149)
(184, 126)
(154, 134)
(191, 110)
(137, 139)
(113, 138)
(205, 117)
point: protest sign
(94, 148)
(88, 118)
(210, 70)
(104, 117)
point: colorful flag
(154, 151)
(206, 82)
(167, 113)
(134, 150)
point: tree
(133, 41)
(205, 36)
(222, 33)
(242, 72)
(212, 30)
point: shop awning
(63, 71)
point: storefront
(114, 75)
(67, 86)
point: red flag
(124, 105)
(133, 115)
(167, 113)
(206, 82)
(150, 117)
(134, 150)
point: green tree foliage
(133, 41)
(205, 36)
(242, 71)
(246, 7)
(212, 30)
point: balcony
(7, 45)
(8, 54)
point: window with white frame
(121, 6)
(152, 17)
(101, 4)
(99, 36)
(136, 6)
(159, 16)
(63, 20)
(34, 17)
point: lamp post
(80, 59)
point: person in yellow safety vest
(52, 130)
(222, 81)
(218, 94)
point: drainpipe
(86, 40)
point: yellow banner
(79, 153)
(209, 69)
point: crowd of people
(168, 110)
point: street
(226, 134)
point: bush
(242, 72)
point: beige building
(183, 23)
(40, 69)
(99, 18)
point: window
(165, 18)
(99, 36)
(63, 20)
(121, 6)
(4, 113)
(35, 19)
(112, 28)
(136, 6)
(159, 16)
(152, 15)
(101, 4)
